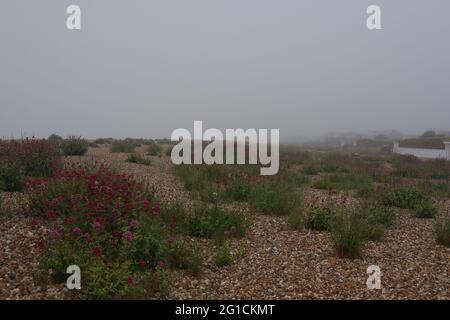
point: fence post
(396, 147)
(447, 149)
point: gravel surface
(272, 262)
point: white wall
(424, 153)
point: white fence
(425, 153)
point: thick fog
(142, 68)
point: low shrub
(210, 194)
(12, 177)
(179, 256)
(74, 146)
(223, 257)
(361, 183)
(103, 140)
(424, 209)
(124, 146)
(213, 222)
(296, 220)
(406, 197)
(135, 157)
(274, 197)
(238, 190)
(54, 138)
(106, 223)
(443, 231)
(34, 157)
(348, 234)
(154, 150)
(310, 170)
(320, 218)
(377, 213)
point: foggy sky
(142, 68)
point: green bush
(210, 194)
(310, 170)
(179, 256)
(74, 146)
(361, 183)
(124, 146)
(135, 157)
(54, 138)
(424, 209)
(12, 177)
(154, 150)
(213, 222)
(406, 197)
(320, 218)
(223, 257)
(348, 234)
(443, 231)
(103, 140)
(274, 197)
(296, 220)
(238, 190)
(169, 151)
(377, 213)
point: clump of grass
(406, 197)
(296, 220)
(334, 168)
(310, 170)
(320, 218)
(92, 144)
(195, 178)
(238, 190)
(424, 209)
(223, 257)
(103, 140)
(348, 235)
(54, 138)
(74, 146)
(168, 151)
(213, 222)
(211, 195)
(179, 256)
(443, 231)
(361, 183)
(124, 146)
(441, 189)
(135, 157)
(297, 179)
(274, 197)
(377, 213)
(154, 149)
(12, 176)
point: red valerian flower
(128, 235)
(97, 226)
(76, 231)
(35, 222)
(54, 233)
(134, 224)
(96, 251)
(142, 264)
(145, 203)
(161, 264)
(51, 214)
(157, 208)
(130, 280)
(41, 245)
(116, 233)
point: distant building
(426, 153)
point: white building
(424, 153)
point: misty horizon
(143, 69)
